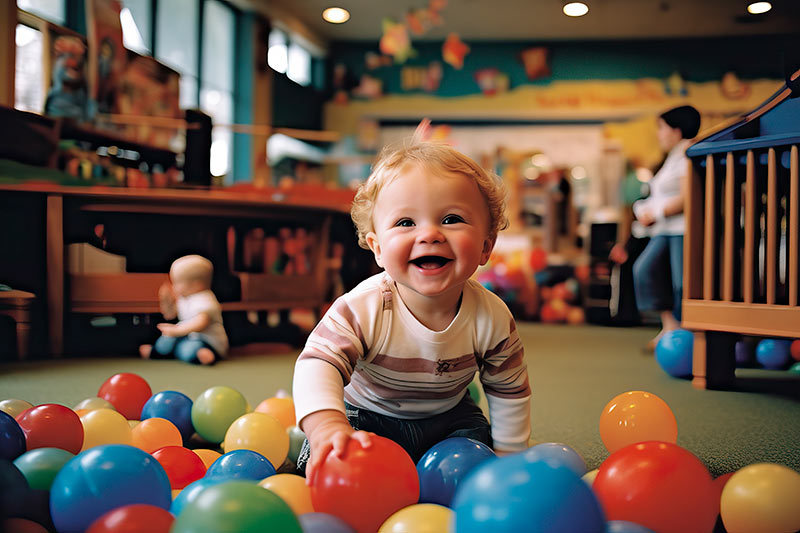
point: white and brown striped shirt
(370, 350)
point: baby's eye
(404, 222)
(452, 219)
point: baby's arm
(166, 301)
(199, 322)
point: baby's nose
(430, 233)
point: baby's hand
(332, 436)
(167, 329)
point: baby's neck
(434, 312)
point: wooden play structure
(742, 227)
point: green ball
(236, 506)
(795, 368)
(474, 392)
(40, 466)
(296, 438)
(215, 410)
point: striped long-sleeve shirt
(370, 350)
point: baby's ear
(486, 252)
(375, 246)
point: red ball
(382, 474)
(127, 393)
(182, 465)
(51, 426)
(658, 485)
(718, 484)
(538, 259)
(133, 519)
(794, 349)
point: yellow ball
(260, 433)
(292, 489)
(14, 407)
(208, 456)
(154, 433)
(92, 404)
(419, 518)
(761, 498)
(589, 476)
(104, 426)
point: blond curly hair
(439, 157)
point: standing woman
(658, 271)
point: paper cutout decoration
(420, 20)
(675, 85)
(733, 88)
(492, 81)
(535, 62)
(454, 50)
(373, 60)
(425, 78)
(395, 41)
(369, 88)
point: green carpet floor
(574, 372)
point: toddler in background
(395, 355)
(199, 336)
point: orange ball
(208, 456)
(154, 433)
(292, 489)
(280, 408)
(575, 316)
(636, 416)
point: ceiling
(543, 19)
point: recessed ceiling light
(336, 15)
(756, 8)
(575, 9)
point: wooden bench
(17, 305)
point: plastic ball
(282, 409)
(182, 465)
(658, 485)
(674, 352)
(446, 465)
(12, 438)
(794, 351)
(624, 526)
(90, 404)
(576, 316)
(133, 518)
(538, 259)
(14, 407)
(215, 410)
(127, 393)
(636, 416)
(795, 368)
(323, 523)
(104, 478)
(744, 351)
(589, 476)
(773, 353)
(52, 426)
(382, 474)
(21, 525)
(175, 407)
(292, 489)
(207, 456)
(763, 498)
(41, 465)
(236, 506)
(261, 433)
(241, 464)
(154, 433)
(419, 518)
(104, 426)
(509, 494)
(557, 453)
(474, 391)
(296, 439)
(191, 491)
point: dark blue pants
(183, 348)
(658, 275)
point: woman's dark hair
(685, 118)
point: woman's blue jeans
(658, 275)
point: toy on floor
(674, 353)
(445, 466)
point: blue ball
(323, 523)
(443, 467)
(773, 354)
(623, 526)
(12, 438)
(103, 478)
(175, 407)
(192, 491)
(557, 453)
(510, 494)
(744, 353)
(674, 353)
(241, 465)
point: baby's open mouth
(430, 262)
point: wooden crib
(741, 243)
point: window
(53, 10)
(277, 53)
(216, 87)
(136, 29)
(177, 26)
(299, 69)
(28, 76)
(288, 57)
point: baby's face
(184, 285)
(431, 230)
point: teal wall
(696, 60)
